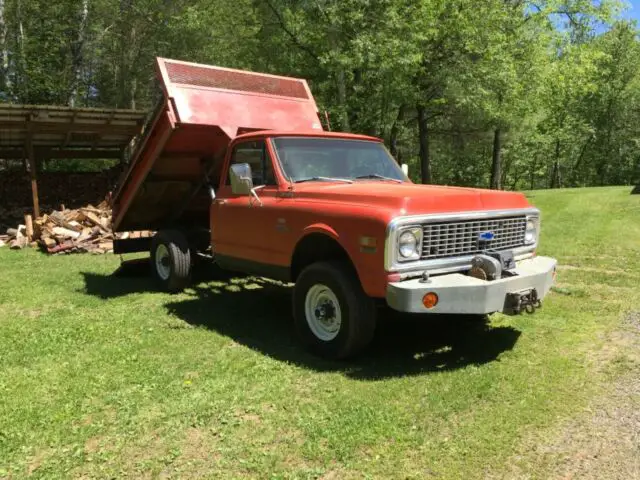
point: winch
(491, 265)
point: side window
(255, 154)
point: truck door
(243, 228)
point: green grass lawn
(103, 376)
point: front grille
(458, 238)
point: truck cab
(334, 214)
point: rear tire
(171, 260)
(334, 318)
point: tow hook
(524, 301)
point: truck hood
(410, 198)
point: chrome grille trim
(450, 239)
(447, 264)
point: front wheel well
(317, 247)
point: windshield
(331, 159)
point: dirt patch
(92, 445)
(604, 442)
(37, 460)
(198, 446)
(247, 416)
(198, 456)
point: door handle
(221, 201)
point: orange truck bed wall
(203, 109)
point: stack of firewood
(87, 229)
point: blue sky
(633, 11)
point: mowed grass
(102, 376)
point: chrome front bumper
(462, 294)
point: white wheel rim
(163, 262)
(322, 311)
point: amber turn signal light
(430, 300)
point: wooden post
(28, 222)
(34, 180)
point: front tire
(171, 260)
(334, 317)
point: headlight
(410, 243)
(531, 232)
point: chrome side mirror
(241, 180)
(405, 169)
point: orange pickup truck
(237, 165)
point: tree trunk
(395, 131)
(22, 79)
(423, 134)
(496, 170)
(134, 90)
(126, 46)
(506, 170)
(76, 54)
(342, 100)
(516, 179)
(555, 174)
(532, 172)
(5, 82)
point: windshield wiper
(323, 179)
(379, 177)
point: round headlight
(408, 244)
(531, 232)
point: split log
(62, 247)
(28, 221)
(75, 226)
(60, 220)
(93, 209)
(18, 243)
(49, 242)
(105, 245)
(93, 218)
(16, 232)
(65, 232)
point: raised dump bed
(202, 110)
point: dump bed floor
(202, 110)
(162, 187)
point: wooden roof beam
(95, 141)
(53, 154)
(67, 137)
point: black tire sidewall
(179, 254)
(342, 284)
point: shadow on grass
(257, 313)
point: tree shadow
(256, 313)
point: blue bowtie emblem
(486, 236)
